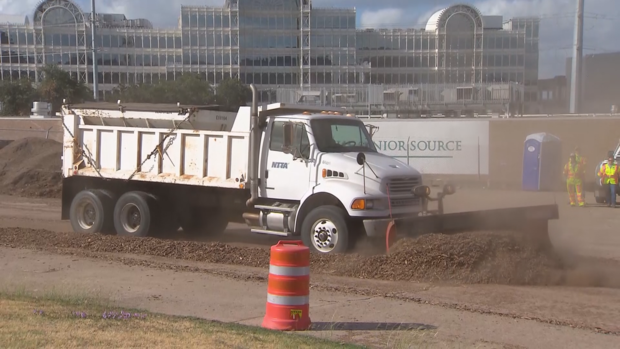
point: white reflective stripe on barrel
(287, 300)
(289, 271)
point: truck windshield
(341, 136)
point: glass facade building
(461, 61)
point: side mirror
(289, 132)
(361, 159)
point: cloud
(384, 18)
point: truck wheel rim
(324, 235)
(87, 215)
(131, 218)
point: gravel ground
(473, 258)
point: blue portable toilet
(542, 162)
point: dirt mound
(479, 257)
(186, 250)
(473, 257)
(31, 167)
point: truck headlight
(359, 204)
(421, 191)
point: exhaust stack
(254, 149)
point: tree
(57, 85)
(186, 89)
(17, 97)
(132, 94)
(192, 89)
(231, 93)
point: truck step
(277, 207)
(270, 232)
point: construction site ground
(578, 310)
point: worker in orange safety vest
(582, 163)
(609, 179)
(572, 171)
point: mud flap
(390, 236)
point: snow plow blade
(533, 221)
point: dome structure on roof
(439, 19)
(431, 24)
(57, 13)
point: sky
(601, 28)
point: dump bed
(157, 143)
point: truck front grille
(400, 186)
(405, 202)
(400, 191)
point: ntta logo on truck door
(283, 165)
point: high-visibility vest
(609, 173)
(572, 169)
(582, 162)
(580, 159)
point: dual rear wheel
(136, 214)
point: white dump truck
(286, 170)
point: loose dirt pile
(31, 167)
(478, 257)
(473, 257)
(185, 250)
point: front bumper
(376, 228)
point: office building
(600, 90)
(462, 61)
(553, 96)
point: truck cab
(322, 177)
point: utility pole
(576, 75)
(94, 34)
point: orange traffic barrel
(288, 289)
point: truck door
(283, 176)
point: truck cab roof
(317, 116)
(303, 112)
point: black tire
(141, 207)
(600, 200)
(91, 212)
(326, 216)
(195, 222)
